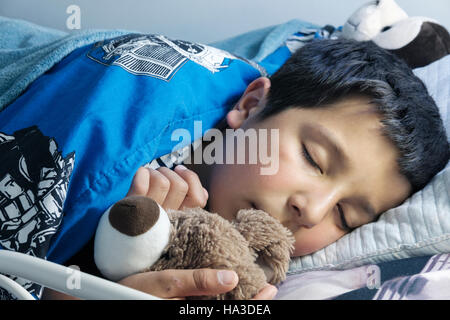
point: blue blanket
(28, 50)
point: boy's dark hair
(323, 71)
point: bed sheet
(418, 278)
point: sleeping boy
(358, 135)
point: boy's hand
(175, 190)
(177, 284)
(170, 189)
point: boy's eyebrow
(325, 135)
(368, 210)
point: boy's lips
(256, 206)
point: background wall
(202, 20)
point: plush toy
(137, 235)
(418, 40)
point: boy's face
(334, 164)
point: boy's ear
(253, 100)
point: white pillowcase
(418, 227)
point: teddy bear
(417, 40)
(137, 235)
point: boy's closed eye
(343, 221)
(309, 159)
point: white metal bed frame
(55, 276)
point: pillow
(418, 227)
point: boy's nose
(309, 210)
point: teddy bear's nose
(134, 215)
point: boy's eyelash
(309, 158)
(342, 216)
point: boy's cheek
(306, 245)
(283, 177)
(308, 241)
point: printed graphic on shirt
(5, 295)
(156, 55)
(306, 35)
(171, 160)
(34, 177)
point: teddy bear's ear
(271, 241)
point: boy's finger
(267, 293)
(182, 283)
(159, 186)
(196, 196)
(178, 189)
(140, 183)
(210, 282)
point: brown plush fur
(200, 239)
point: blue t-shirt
(71, 143)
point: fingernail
(273, 292)
(181, 167)
(226, 277)
(205, 192)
